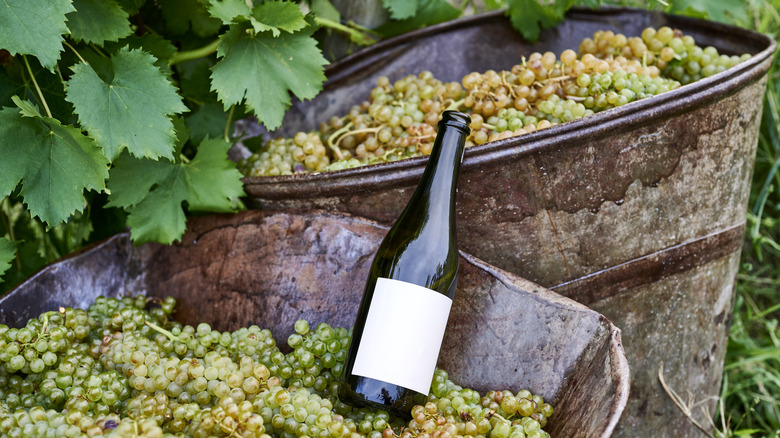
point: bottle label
(403, 334)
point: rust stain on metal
(654, 267)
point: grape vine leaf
(14, 81)
(723, 10)
(430, 12)
(153, 191)
(159, 47)
(261, 69)
(529, 17)
(325, 9)
(132, 110)
(7, 254)
(97, 21)
(207, 121)
(492, 5)
(34, 28)
(182, 15)
(229, 10)
(277, 16)
(401, 9)
(55, 163)
(131, 6)
(194, 79)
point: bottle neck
(437, 188)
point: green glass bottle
(403, 314)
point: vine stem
(189, 55)
(6, 214)
(359, 36)
(37, 88)
(229, 120)
(74, 51)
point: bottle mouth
(456, 119)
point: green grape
(398, 120)
(137, 374)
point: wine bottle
(406, 303)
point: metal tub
(637, 212)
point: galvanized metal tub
(638, 212)
(271, 269)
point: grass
(750, 392)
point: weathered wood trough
(271, 269)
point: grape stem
(480, 94)
(334, 146)
(159, 329)
(37, 88)
(361, 131)
(231, 432)
(555, 79)
(497, 415)
(455, 105)
(508, 85)
(46, 320)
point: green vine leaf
(131, 6)
(276, 17)
(55, 163)
(229, 10)
(98, 21)
(207, 121)
(34, 28)
(14, 81)
(723, 10)
(153, 191)
(325, 9)
(132, 110)
(287, 63)
(429, 12)
(401, 9)
(273, 16)
(7, 255)
(182, 16)
(529, 17)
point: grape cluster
(123, 368)
(284, 156)
(34, 348)
(668, 50)
(399, 120)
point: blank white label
(403, 334)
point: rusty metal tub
(638, 212)
(271, 269)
